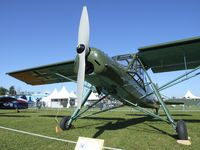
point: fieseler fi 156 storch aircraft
(123, 77)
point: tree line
(11, 91)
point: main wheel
(63, 123)
(181, 130)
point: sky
(40, 32)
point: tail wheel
(64, 123)
(181, 130)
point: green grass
(120, 129)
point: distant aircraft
(8, 102)
(123, 77)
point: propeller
(82, 48)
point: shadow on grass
(129, 122)
(9, 112)
(159, 115)
(178, 115)
(53, 116)
(143, 115)
(120, 119)
(120, 125)
(174, 136)
(3, 115)
(189, 120)
(92, 118)
(86, 126)
(15, 112)
(103, 118)
(28, 111)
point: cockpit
(133, 67)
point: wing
(53, 73)
(171, 56)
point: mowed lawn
(120, 129)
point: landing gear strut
(180, 126)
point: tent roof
(63, 93)
(72, 94)
(53, 94)
(190, 95)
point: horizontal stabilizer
(173, 102)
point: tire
(63, 123)
(181, 130)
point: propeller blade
(84, 29)
(83, 45)
(80, 78)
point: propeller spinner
(82, 48)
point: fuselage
(110, 77)
(7, 102)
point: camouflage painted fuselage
(110, 77)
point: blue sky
(40, 32)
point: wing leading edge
(171, 56)
(53, 73)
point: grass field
(124, 129)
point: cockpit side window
(138, 79)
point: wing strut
(180, 126)
(179, 79)
(158, 96)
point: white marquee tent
(62, 98)
(58, 99)
(72, 95)
(73, 98)
(93, 96)
(47, 99)
(63, 93)
(189, 95)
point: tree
(12, 91)
(3, 91)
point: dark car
(8, 102)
